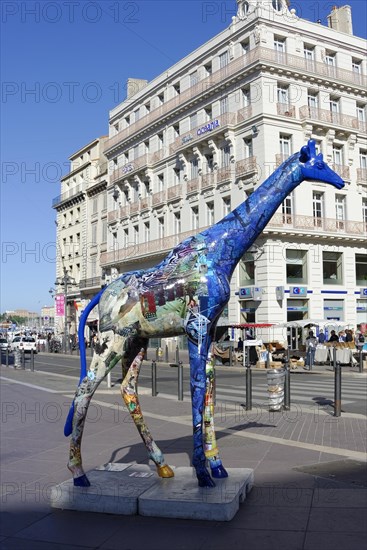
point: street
(307, 388)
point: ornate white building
(192, 144)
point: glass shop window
(247, 270)
(296, 266)
(332, 268)
(361, 270)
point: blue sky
(64, 66)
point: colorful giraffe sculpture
(184, 294)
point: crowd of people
(346, 335)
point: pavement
(310, 488)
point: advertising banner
(60, 305)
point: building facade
(189, 146)
(81, 233)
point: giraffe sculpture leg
(131, 399)
(210, 442)
(198, 386)
(101, 365)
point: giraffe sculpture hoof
(81, 481)
(165, 471)
(204, 479)
(219, 472)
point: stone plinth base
(130, 489)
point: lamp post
(65, 281)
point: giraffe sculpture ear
(304, 154)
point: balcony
(236, 68)
(159, 198)
(130, 168)
(362, 176)
(175, 193)
(284, 109)
(324, 117)
(71, 194)
(245, 167)
(93, 282)
(217, 125)
(113, 216)
(207, 181)
(342, 170)
(155, 248)
(316, 226)
(244, 114)
(280, 158)
(193, 186)
(224, 174)
(134, 207)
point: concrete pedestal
(130, 489)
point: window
(161, 228)
(177, 175)
(223, 105)
(209, 164)
(285, 145)
(136, 115)
(208, 113)
(104, 201)
(361, 112)
(296, 266)
(193, 121)
(195, 217)
(176, 130)
(226, 206)
(287, 209)
(357, 70)
(223, 59)
(313, 101)
(194, 79)
(334, 309)
(127, 121)
(160, 99)
(104, 231)
(334, 110)
(245, 44)
(194, 168)
(283, 94)
(160, 142)
(146, 231)
(279, 47)
(208, 69)
(246, 97)
(330, 61)
(277, 4)
(94, 233)
(160, 181)
(209, 213)
(332, 268)
(147, 108)
(248, 148)
(363, 159)
(225, 155)
(338, 155)
(309, 55)
(125, 238)
(361, 269)
(136, 234)
(136, 152)
(364, 212)
(247, 270)
(318, 208)
(177, 88)
(177, 222)
(340, 211)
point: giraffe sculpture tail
(68, 428)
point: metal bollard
(177, 355)
(337, 390)
(287, 387)
(360, 361)
(7, 357)
(22, 359)
(180, 381)
(248, 388)
(109, 380)
(32, 360)
(154, 378)
(166, 354)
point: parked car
(4, 344)
(24, 343)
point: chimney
(340, 19)
(134, 85)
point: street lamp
(65, 281)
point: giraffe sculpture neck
(229, 239)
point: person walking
(322, 337)
(333, 337)
(311, 343)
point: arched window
(277, 4)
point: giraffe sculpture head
(313, 167)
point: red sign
(60, 305)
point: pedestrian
(311, 343)
(321, 336)
(240, 344)
(333, 337)
(348, 336)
